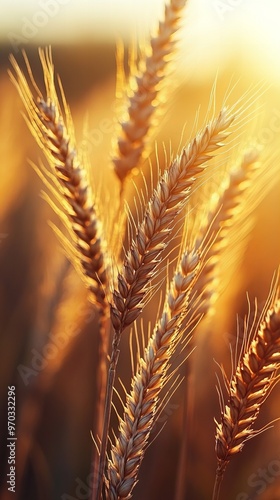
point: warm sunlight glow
(221, 26)
(139, 249)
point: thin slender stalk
(97, 490)
(217, 487)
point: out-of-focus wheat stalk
(39, 386)
(215, 232)
(142, 102)
(250, 385)
(143, 97)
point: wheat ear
(51, 125)
(250, 385)
(212, 236)
(142, 103)
(169, 197)
(215, 232)
(141, 405)
(54, 134)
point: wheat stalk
(213, 235)
(55, 136)
(51, 125)
(215, 232)
(169, 197)
(250, 385)
(141, 405)
(142, 103)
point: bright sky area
(210, 25)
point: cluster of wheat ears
(121, 281)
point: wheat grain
(141, 104)
(141, 404)
(254, 377)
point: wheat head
(142, 102)
(169, 197)
(141, 404)
(140, 263)
(54, 133)
(250, 385)
(215, 231)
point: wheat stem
(217, 487)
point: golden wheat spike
(170, 196)
(53, 131)
(142, 402)
(141, 105)
(253, 379)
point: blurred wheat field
(44, 302)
